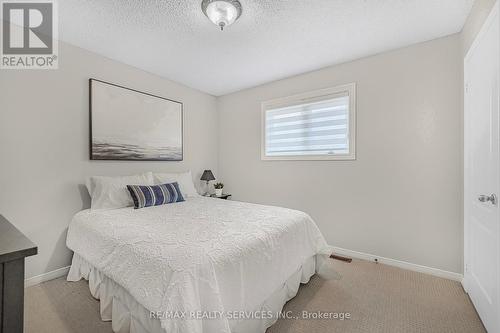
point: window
(318, 125)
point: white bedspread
(207, 255)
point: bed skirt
(128, 316)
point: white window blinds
(316, 126)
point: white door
(481, 171)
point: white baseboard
(33, 281)
(465, 284)
(354, 254)
(401, 264)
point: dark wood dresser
(14, 247)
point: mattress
(197, 263)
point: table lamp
(207, 176)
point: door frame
(494, 15)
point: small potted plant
(218, 189)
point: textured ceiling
(273, 39)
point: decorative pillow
(111, 192)
(155, 195)
(184, 179)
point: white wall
(44, 135)
(401, 198)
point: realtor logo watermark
(29, 35)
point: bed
(204, 265)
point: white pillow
(185, 181)
(111, 192)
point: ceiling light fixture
(222, 12)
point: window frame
(326, 93)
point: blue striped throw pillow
(155, 195)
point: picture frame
(130, 125)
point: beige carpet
(378, 298)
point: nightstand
(225, 196)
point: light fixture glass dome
(222, 12)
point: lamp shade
(222, 12)
(207, 175)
